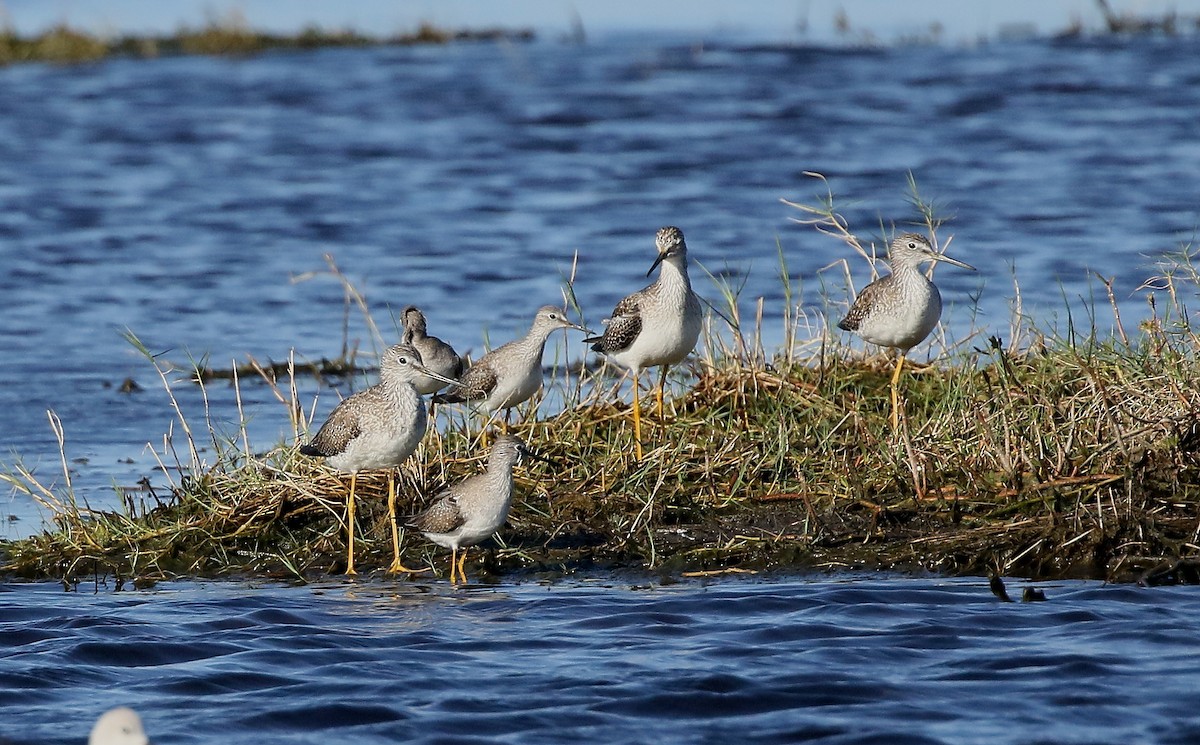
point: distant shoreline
(64, 44)
(233, 35)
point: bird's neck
(907, 269)
(500, 468)
(535, 340)
(673, 274)
(400, 389)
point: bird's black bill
(537, 456)
(654, 266)
(436, 376)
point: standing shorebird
(510, 374)
(119, 726)
(436, 354)
(900, 310)
(378, 427)
(657, 325)
(476, 507)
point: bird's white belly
(661, 343)
(486, 521)
(478, 527)
(445, 540)
(378, 449)
(504, 396)
(903, 331)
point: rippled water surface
(854, 660)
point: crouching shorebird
(900, 310)
(475, 508)
(436, 354)
(657, 325)
(378, 427)
(512, 373)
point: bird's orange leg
(637, 418)
(895, 392)
(662, 382)
(396, 567)
(462, 560)
(350, 525)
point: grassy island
(1038, 455)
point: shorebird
(378, 427)
(436, 354)
(657, 325)
(476, 507)
(119, 726)
(900, 310)
(512, 373)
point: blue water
(786, 659)
(192, 200)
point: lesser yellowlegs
(436, 354)
(378, 427)
(476, 507)
(119, 726)
(657, 325)
(900, 310)
(512, 373)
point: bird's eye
(554, 316)
(403, 360)
(912, 244)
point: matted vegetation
(1043, 456)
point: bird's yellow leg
(453, 564)
(662, 383)
(462, 560)
(350, 525)
(895, 392)
(637, 419)
(396, 566)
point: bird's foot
(398, 568)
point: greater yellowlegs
(378, 427)
(900, 310)
(510, 374)
(119, 726)
(436, 354)
(476, 507)
(657, 325)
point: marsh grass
(1065, 455)
(228, 35)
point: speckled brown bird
(657, 325)
(900, 310)
(512, 373)
(436, 354)
(476, 507)
(378, 427)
